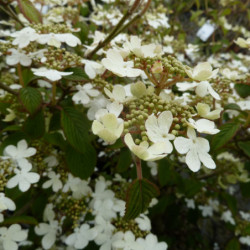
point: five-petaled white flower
(54, 181)
(158, 128)
(151, 243)
(196, 150)
(115, 63)
(49, 232)
(92, 68)
(20, 151)
(109, 128)
(23, 178)
(81, 236)
(202, 72)
(145, 152)
(203, 126)
(10, 236)
(51, 74)
(24, 36)
(83, 94)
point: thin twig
(8, 89)
(114, 32)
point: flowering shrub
(117, 132)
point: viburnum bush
(122, 127)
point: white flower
(118, 93)
(6, 203)
(24, 36)
(51, 74)
(18, 57)
(95, 105)
(202, 72)
(108, 241)
(204, 111)
(9, 117)
(128, 242)
(84, 93)
(81, 236)
(145, 152)
(54, 181)
(56, 39)
(92, 68)
(20, 151)
(115, 63)
(23, 178)
(203, 126)
(228, 217)
(207, 211)
(143, 222)
(109, 128)
(49, 232)
(78, 187)
(190, 203)
(196, 148)
(158, 128)
(151, 243)
(134, 45)
(231, 74)
(98, 37)
(203, 88)
(245, 216)
(243, 43)
(10, 236)
(245, 240)
(51, 161)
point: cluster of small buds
(6, 169)
(4, 47)
(140, 109)
(59, 59)
(48, 28)
(72, 208)
(7, 78)
(178, 45)
(100, 84)
(122, 225)
(42, 151)
(120, 190)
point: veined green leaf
(139, 195)
(29, 11)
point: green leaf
(232, 106)
(139, 195)
(231, 202)
(12, 128)
(55, 139)
(29, 11)
(78, 74)
(75, 127)
(34, 126)
(245, 146)
(242, 89)
(28, 76)
(54, 123)
(124, 161)
(244, 188)
(233, 244)
(81, 165)
(227, 132)
(84, 30)
(31, 99)
(22, 219)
